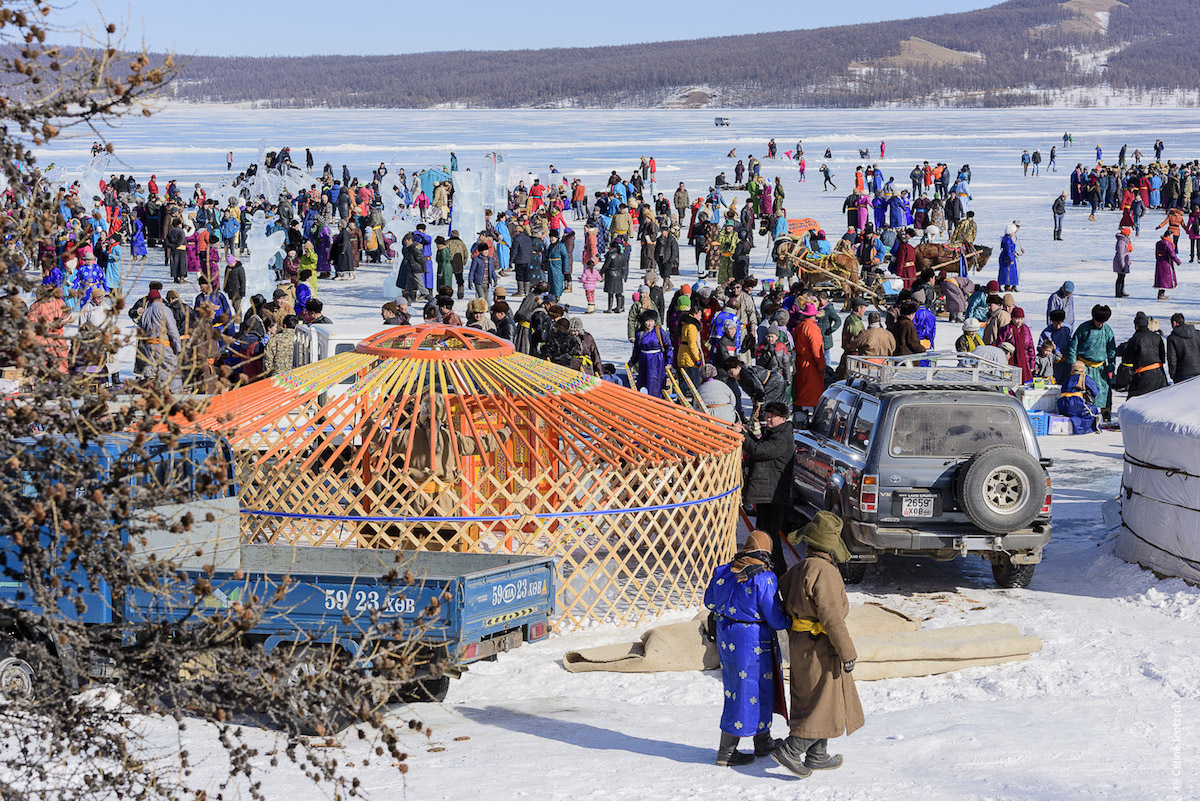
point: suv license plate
(917, 505)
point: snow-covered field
(1107, 710)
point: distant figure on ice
(882, 148)
(828, 178)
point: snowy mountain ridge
(1020, 52)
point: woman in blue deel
(743, 597)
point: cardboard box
(1060, 425)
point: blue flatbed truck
(487, 603)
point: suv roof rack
(932, 370)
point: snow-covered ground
(1107, 710)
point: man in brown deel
(824, 701)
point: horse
(839, 268)
(934, 256)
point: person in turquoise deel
(744, 599)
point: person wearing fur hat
(1077, 400)
(1009, 277)
(908, 341)
(743, 602)
(589, 360)
(478, 317)
(824, 700)
(1145, 355)
(970, 339)
(1165, 261)
(1059, 336)
(1095, 345)
(616, 262)
(652, 351)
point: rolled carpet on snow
(932, 651)
(683, 646)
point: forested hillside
(995, 56)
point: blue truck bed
(487, 602)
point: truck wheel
(1010, 576)
(309, 710)
(853, 572)
(1001, 489)
(421, 691)
(16, 678)
(433, 689)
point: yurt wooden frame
(448, 439)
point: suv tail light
(1046, 505)
(868, 493)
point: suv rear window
(953, 429)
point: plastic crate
(1040, 422)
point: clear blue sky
(306, 27)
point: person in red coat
(810, 358)
(1017, 333)
(906, 262)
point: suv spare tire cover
(1001, 489)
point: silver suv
(928, 455)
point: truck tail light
(537, 631)
(868, 493)
(470, 651)
(1046, 505)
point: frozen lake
(1099, 713)
(189, 143)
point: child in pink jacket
(589, 278)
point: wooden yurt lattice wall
(441, 438)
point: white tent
(1160, 487)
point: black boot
(728, 756)
(764, 744)
(820, 759)
(791, 755)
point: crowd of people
(1134, 189)
(727, 340)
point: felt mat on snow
(682, 646)
(932, 651)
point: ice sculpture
(260, 279)
(89, 183)
(398, 227)
(467, 215)
(495, 182)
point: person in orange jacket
(810, 358)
